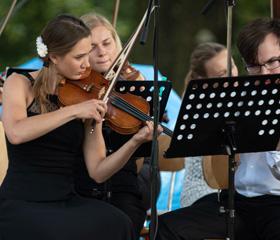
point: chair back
(168, 166)
(215, 170)
(3, 154)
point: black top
(37, 197)
(35, 167)
(125, 180)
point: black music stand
(225, 116)
(143, 89)
(114, 140)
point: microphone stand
(207, 7)
(230, 212)
(154, 154)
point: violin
(130, 73)
(126, 113)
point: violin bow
(8, 16)
(121, 59)
(275, 8)
(116, 10)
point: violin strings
(138, 113)
(133, 110)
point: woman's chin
(101, 69)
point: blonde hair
(202, 53)
(93, 20)
(60, 35)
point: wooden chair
(172, 165)
(215, 171)
(3, 154)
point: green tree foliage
(181, 28)
(17, 42)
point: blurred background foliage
(181, 28)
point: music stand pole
(231, 148)
(154, 155)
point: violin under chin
(86, 73)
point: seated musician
(257, 197)
(208, 60)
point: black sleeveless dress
(37, 196)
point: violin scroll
(129, 73)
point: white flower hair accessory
(42, 49)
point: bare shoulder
(17, 87)
(17, 80)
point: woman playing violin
(106, 46)
(37, 196)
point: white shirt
(257, 174)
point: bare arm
(19, 128)
(101, 167)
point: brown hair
(93, 20)
(60, 35)
(253, 34)
(202, 53)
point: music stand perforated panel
(144, 89)
(250, 103)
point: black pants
(256, 218)
(144, 181)
(132, 205)
(128, 201)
